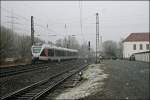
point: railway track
(39, 89)
(5, 72)
(14, 70)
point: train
(47, 52)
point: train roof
(55, 47)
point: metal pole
(89, 47)
(32, 31)
(97, 34)
(12, 21)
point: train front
(36, 51)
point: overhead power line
(6, 10)
(44, 27)
(81, 21)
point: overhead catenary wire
(6, 10)
(48, 29)
(81, 21)
(15, 20)
(18, 26)
(19, 17)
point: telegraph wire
(48, 29)
(81, 21)
(6, 10)
(14, 19)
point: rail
(25, 68)
(37, 90)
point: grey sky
(117, 18)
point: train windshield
(36, 49)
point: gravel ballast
(13, 83)
(111, 80)
(93, 78)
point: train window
(50, 52)
(58, 52)
(74, 53)
(61, 53)
(65, 53)
(36, 49)
(68, 53)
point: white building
(142, 56)
(135, 43)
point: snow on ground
(94, 76)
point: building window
(147, 46)
(134, 46)
(141, 47)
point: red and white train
(52, 53)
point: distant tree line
(14, 45)
(18, 46)
(72, 43)
(112, 49)
(69, 42)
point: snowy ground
(94, 76)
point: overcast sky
(117, 18)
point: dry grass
(18, 61)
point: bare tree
(14, 45)
(68, 42)
(59, 42)
(110, 48)
(6, 41)
(120, 49)
(73, 43)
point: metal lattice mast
(32, 31)
(97, 35)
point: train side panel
(56, 54)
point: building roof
(134, 37)
(142, 52)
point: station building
(137, 44)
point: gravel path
(127, 80)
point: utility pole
(97, 35)
(89, 46)
(32, 31)
(66, 42)
(12, 21)
(101, 47)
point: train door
(44, 54)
